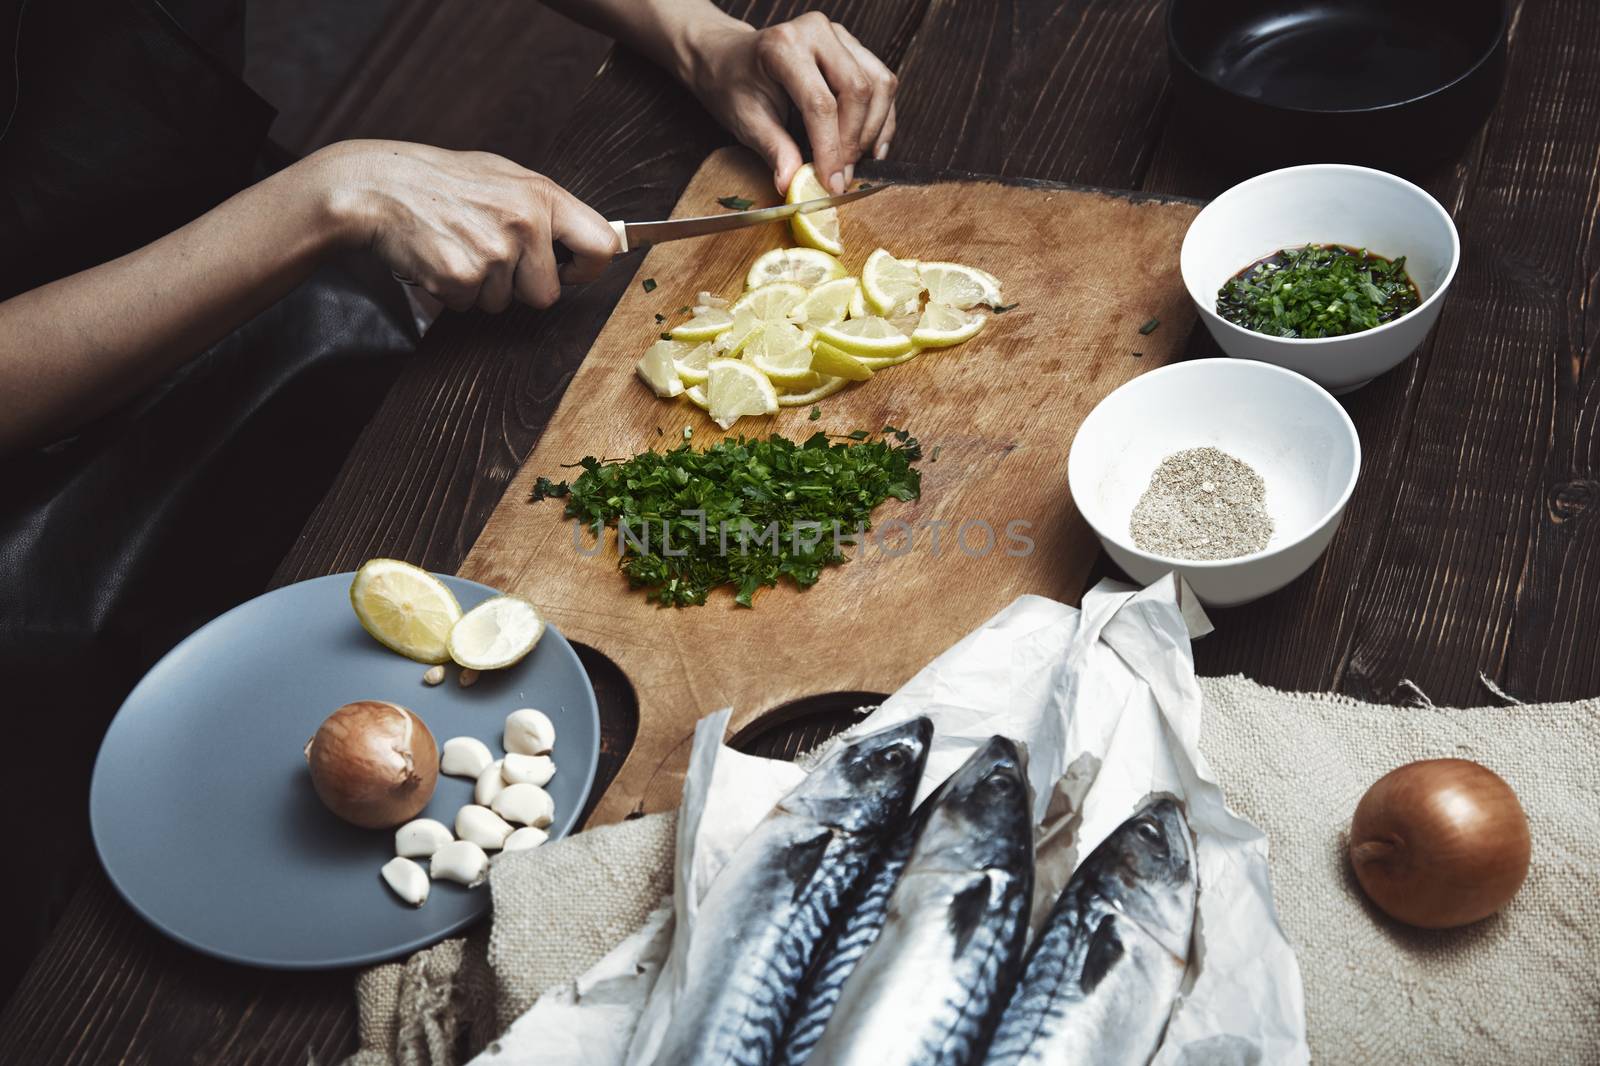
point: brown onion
(373, 763)
(1440, 843)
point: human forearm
(665, 31)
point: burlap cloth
(1520, 987)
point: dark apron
(118, 541)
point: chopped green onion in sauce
(1321, 290)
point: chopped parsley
(649, 284)
(744, 513)
(660, 318)
(1150, 327)
(1001, 309)
(736, 203)
(1318, 291)
(816, 413)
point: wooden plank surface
(1472, 544)
(1084, 271)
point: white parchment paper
(1106, 702)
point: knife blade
(638, 234)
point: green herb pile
(743, 512)
(1318, 291)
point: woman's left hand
(748, 79)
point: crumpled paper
(1106, 702)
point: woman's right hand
(472, 228)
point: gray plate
(203, 811)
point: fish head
(1147, 869)
(867, 785)
(980, 818)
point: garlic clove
(465, 757)
(420, 838)
(433, 675)
(482, 826)
(522, 769)
(527, 837)
(408, 880)
(490, 782)
(460, 861)
(525, 804)
(529, 732)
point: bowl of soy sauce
(1401, 85)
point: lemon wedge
(696, 394)
(691, 366)
(826, 359)
(405, 608)
(891, 285)
(825, 304)
(866, 336)
(706, 324)
(876, 363)
(735, 389)
(825, 387)
(858, 302)
(773, 300)
(658, 367)
(804, 266)
(814, 229)
(496, 633)
(959, 286)
(781, 351)
(942, 325)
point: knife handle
(564, 254)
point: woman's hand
(747, 78)
(473, 229)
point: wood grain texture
(1085, 270)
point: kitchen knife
(638, 234)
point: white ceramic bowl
(1325, 203)
(1289, 429)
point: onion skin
(1440, 843)
(374, 764)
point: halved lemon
(496, 633)
(706, 324)
(405, 608)
(815, 229)
(866, 336)
(943, 325)
(825, 304)
(735, 389)
(959, 286)
(658, 367)
(781, 351)
(826, 387)
(891, 285)
(691, 366)
(826, 359)
(773, 300)
(804, 266)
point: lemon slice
(696, 394)
(826, 359)
(405, 608)
(876, 363)
(691, 366)
(826, 387)
(773, 300)
(658, 367)
(825, 304)
(866, 336)
(781, 351)
(943, 325)
(804, 266)
(732, 339)
(891, 284)
(959, 286)
(496, 633)
(858, 303)
(814, 229)
(706, 324)
(735, 389)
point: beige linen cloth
(1520, 987)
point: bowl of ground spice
(1337, 272)
(1233, 473)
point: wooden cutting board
(1086, 270)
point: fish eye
(999, 785)
(1148, 829)
(892, 758)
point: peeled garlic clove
(526, 837)
(433, 675)
(490, 782)
(529, 732)
(420, 838)
(525, 804)
(482, 826)
(408, 880)
(461, 861)
(465, 757)
(522, 769)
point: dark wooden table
(1472, 546)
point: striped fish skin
(1102, 978)
(771, 906)
(930, 988)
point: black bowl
(1397, 84)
